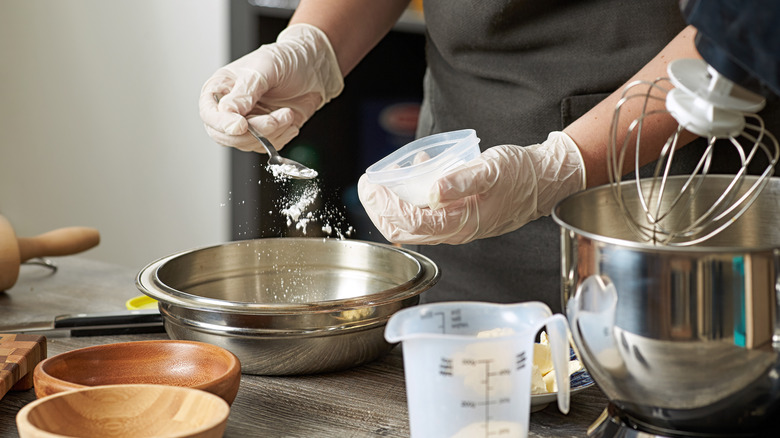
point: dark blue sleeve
(740, 39)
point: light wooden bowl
(132, 411)
(175, 363)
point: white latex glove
(276, 88)
(498, 192)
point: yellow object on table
(141, 302)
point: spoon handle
(269, 148)
(272, 153)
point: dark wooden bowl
(175, 363)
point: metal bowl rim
(280, 307)
(643, 246)
(427, 276)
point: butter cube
(537, 381)
(543, 358)
(550, 384)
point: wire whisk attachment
(708, 105)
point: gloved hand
(276, 88)
(498, 192)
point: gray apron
(515, 71)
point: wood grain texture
(125, 411)
(19, 354)
(367, 401)
(162, 362)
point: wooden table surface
(366, 401)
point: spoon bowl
(277, 164)
(280, 165)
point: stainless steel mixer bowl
(683, 340)
(288, 306)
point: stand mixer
(670, 282)
(707, 104)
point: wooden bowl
(125, 411)
(175, 363)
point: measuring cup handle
(557, 333)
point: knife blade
(93, 324)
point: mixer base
(613, 423)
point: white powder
(291, 171)
(302, 205)
(306, 211)
(294, 212)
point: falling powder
(300, 202)
(302, 205)
(295, 211)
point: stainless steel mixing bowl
(288, 305)
(683, 340)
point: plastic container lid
(411, 170)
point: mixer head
(710, 106)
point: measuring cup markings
(488, 401)
(434, 315)
(520, 360)
(446, 367)
(489, 380)
(456, 320)
(470, 363)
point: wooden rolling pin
(62, 241)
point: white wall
(99, 123)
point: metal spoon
(280, 165)
(277, 164)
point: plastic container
(468, 365)
(411, 170)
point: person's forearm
(591, 132)
(353, 27)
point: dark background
(340, 141)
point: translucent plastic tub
(468, 366)
(411, 170)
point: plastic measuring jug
(468, 366)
